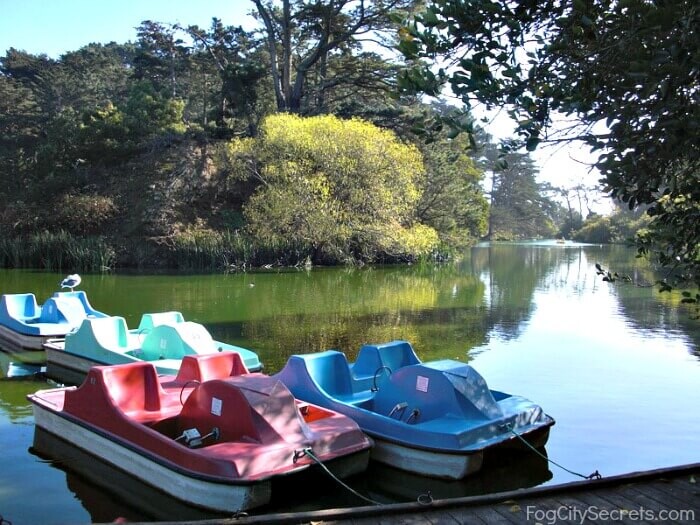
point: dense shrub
(345, 188)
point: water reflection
(104, 492)
(21, 364)
(500, 473)
(107, 493)
(615, 364)
(13, 397)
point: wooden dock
(670, 495)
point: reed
(202, 249)
(56, 251)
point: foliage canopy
(627, 73)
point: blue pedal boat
(162, 338)
(435, 419)
(24, 325)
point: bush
(599, 230)
(345, 188)
(82, 214)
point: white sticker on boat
(216, 406)
(422, 384)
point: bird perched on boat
(71, 281)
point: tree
(21, 121)
(625, 71)
(96, 74)
(519, 210)
(574, 219)
(237, 62)
(452, 201)
(341, 189)
(161, 57)
(302, 36)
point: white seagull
(71, 281)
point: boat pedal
(399, 407)
(413, 416)
(193, 438)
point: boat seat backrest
(63, 309)
(81, 296)
(394, 355)
(206, 367)
(20, 305)
(109, 332)
(134, 388)
(176, 341)
(331, 372)
(150, 321)
(219, 404)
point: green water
(616, 365)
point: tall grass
(200, 249)
(57, 251)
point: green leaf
(532, 143)
(429, 18)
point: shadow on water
(107, 493)
(505, 472)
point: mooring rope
(594, 475)
(310, 453)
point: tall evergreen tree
(302, 38)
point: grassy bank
(194, 250)
(201, 251)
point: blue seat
(331, 373)
(150, 321)
(395, 355)
(63, 309)
(20, 306)
(110, 333)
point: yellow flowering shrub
(344, 187)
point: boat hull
(69, 368)
(426, 462)
(105, 491)
(209, 495)
(197, 491)
(448, 465)
(12, 340)
(66, 368)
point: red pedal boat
(214, 436)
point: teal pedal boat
(25, 325)
(436, 418)
(162, 338)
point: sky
(56, 26)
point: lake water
(617, 365)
